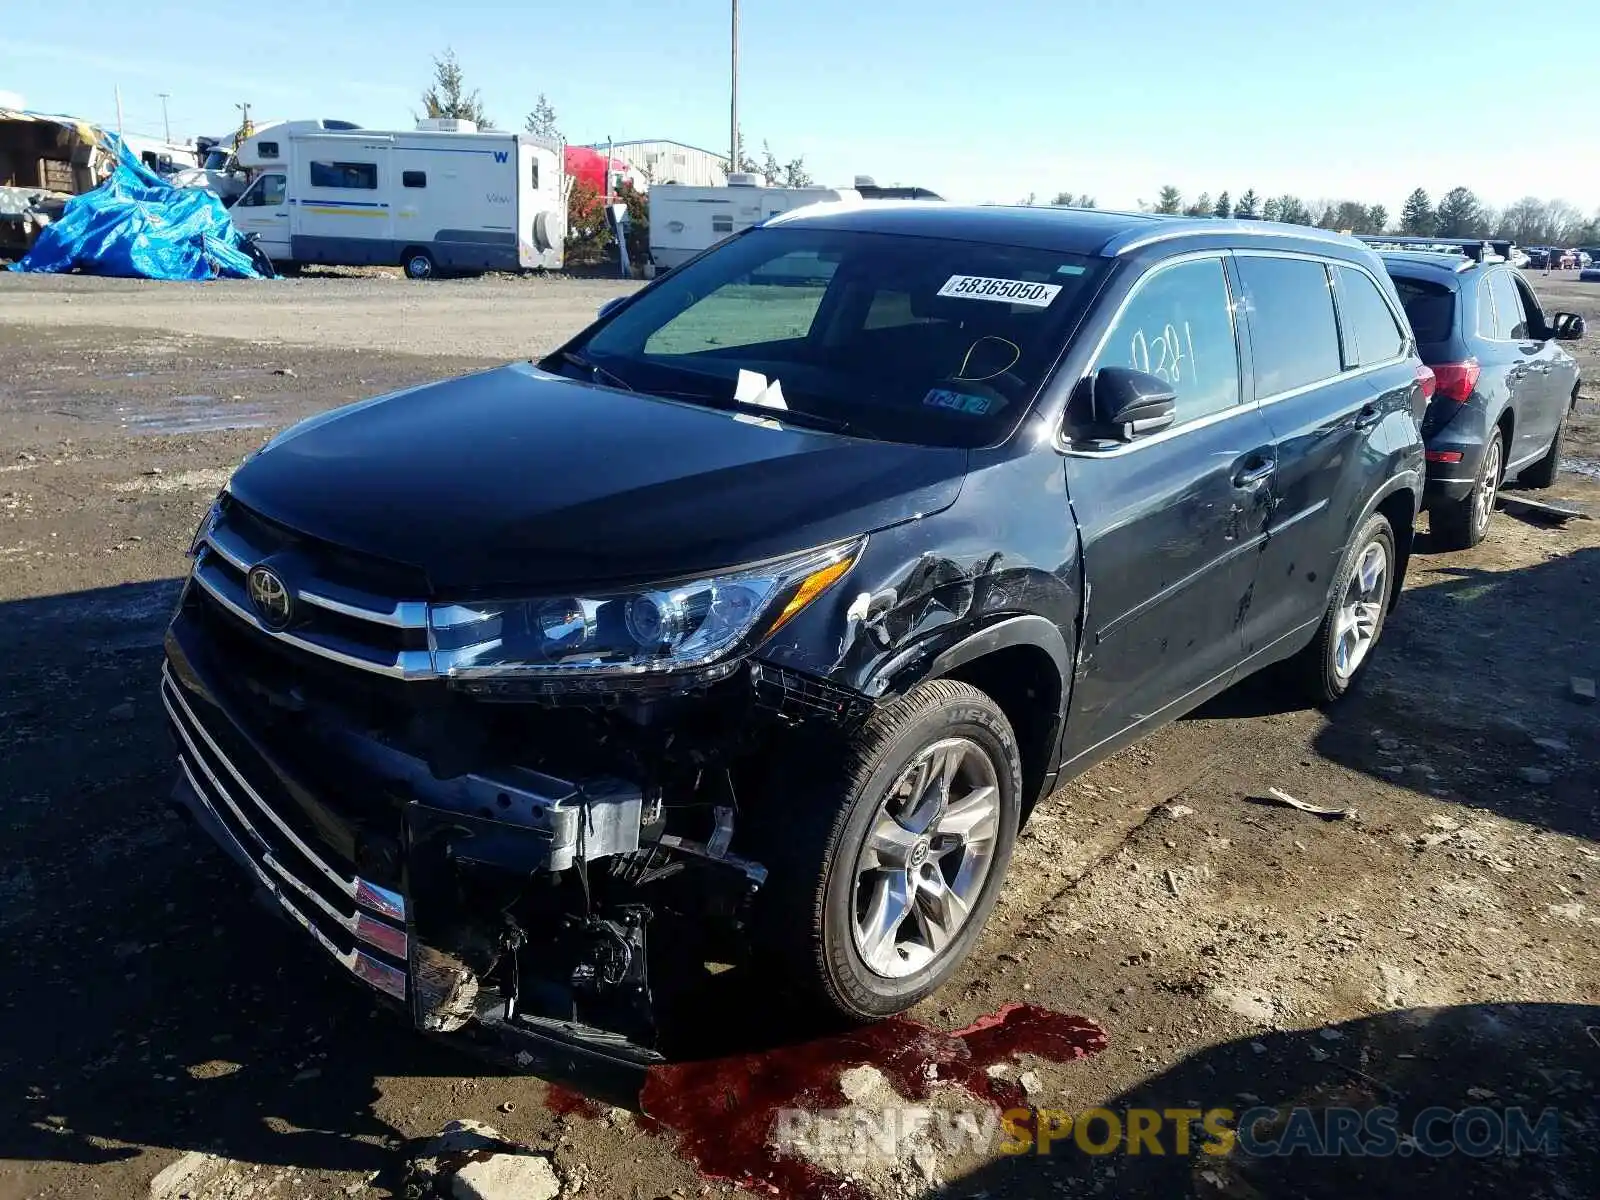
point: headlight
(676, 627)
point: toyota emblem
(270, 597)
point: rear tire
(1337, 657)
(1542, 474)
(418, 264)
(1462, 524)
(842, 832)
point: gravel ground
(1440, 946)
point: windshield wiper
(596, 371)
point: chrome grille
(344, 913)
(338, 621)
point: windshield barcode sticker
(1006, 291)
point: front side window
(353, 175)
(267, 193)
(1294, 335)
(929, 340)
(1371, 332)
(1178, 326)
(1510, 322)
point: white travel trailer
(684, 220)
(443, 197)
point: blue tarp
(138, 225)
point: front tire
(1337, 657)
(887, 852)
(1462, 524)
(1543, 473)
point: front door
(1511, 349)
(1553, 392)
(1171, 522)
(264, 211)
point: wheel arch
(1399, 500)
(1024, 665)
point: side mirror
(609, 306)
(1567, 327)
(1128, 404)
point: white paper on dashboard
(753, 388)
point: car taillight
(1456, 381)
(1427, 381)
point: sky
(981, 100)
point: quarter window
(1510, 323)
(1179, 327)
(1485, 311)
(1294, 336)
(345, 175)
(1367, 319)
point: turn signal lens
(813, 586)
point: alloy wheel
(1488, 486)
(1361, 610)
(925, 858)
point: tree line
(1458, 214)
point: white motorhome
(684, 220)
(443, 197)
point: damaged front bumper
(500, 906)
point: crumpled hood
(515, 478)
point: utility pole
(733, 107)
(117, 90)
(166, 125)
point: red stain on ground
(564, 1102)
(723, 1110)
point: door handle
(1369, 416)
(1252, 476)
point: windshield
(217, 160)
(900, 338)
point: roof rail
(1478, 250)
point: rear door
(1171, 522)
(1327, 421)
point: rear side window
(1510, 322)
(1371, 332)
(344, 175)
(268, 149)
(1430, 307)
(413, 179)
(1178, 326)
(1294, 337)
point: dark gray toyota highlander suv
(748, 625)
